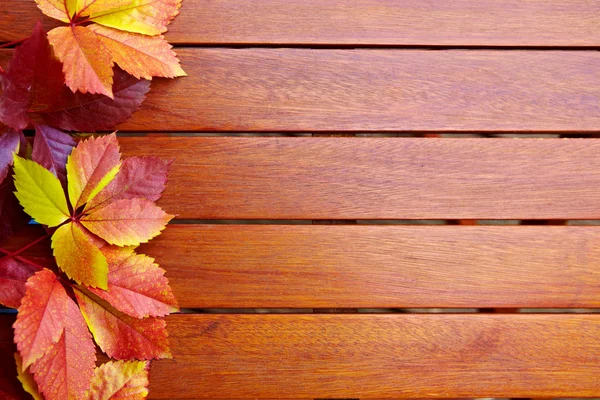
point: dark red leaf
(9, 142)
(92, 112)
(139, 177)
(51, 148)
(13, 276)
(10, 387)
(33, 80)
(12, 215)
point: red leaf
(9, 143)
(51, 148)
(136, 285)
(66, 370)
(33, 80)
(139, 177)
(12, 215)
(41, 318)
(120, 336)
(92, 112)
(13, 275)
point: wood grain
(380, 356)
(377, 178)
(363, 22)
(266, 266)
(376, 91)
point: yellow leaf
(87, 64)
(120, 380)
(87, 7)
(26, 379)
(78, 257)
(142, 56)
(55, 9)
(148, 17)
(40, 193)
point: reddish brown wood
(375, 90)
(377, 178)
(364, 22)
(278, 266)
(380, 356)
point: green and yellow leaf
(78, 257)
(40, 193)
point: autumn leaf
(26, 379)
(139, 177)
(12, 216)
(41, 318)
(91, 112)
(127, 222)
(120, 380)
(148, 17)
(136, 285)
(33, 80)
(90, 167)
(87, 64)
(9, 145)
(13, 276)
(81, 260)
(66, 370)
(56, 9)
(142, 56)
(51, 148)
(40, 193)
(120, 336)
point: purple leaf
(12, 216)
(51, 148)
(9, 142)
(13, 276)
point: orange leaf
(121, 336)
(55, 9)
(41, 318)
(87, 64)
(136, 285)
(127, 222)
(66, 370)
(121, 380)
(142, 56)
(92, 165)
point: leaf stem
(22, 249)
(13, 43)
(23, 259)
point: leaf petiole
(23, 259)
(22, 249)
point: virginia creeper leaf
(56, 9)
(13, 276)
(136, 285)
(9, 145)
(139, 177)
(88, 7)
(90, 167)
(87, 64)
(12, 216)
(40, 193)
(51, 148)
(78, 257)
(26, 379)
(33, 80)
(120, 336)
(127, 222)
(92, 112)
(120, 380)
(66, 370)
(41, 318)
(148, 17)
(142, 56)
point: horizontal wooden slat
(379, 356)
(377, 178)
(376, 90)
(258, 266)
(364, 22)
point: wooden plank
(377, 178)
(303, 266)
(364, 22)
(380, 356)
(376, 90)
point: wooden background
(355, 183)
